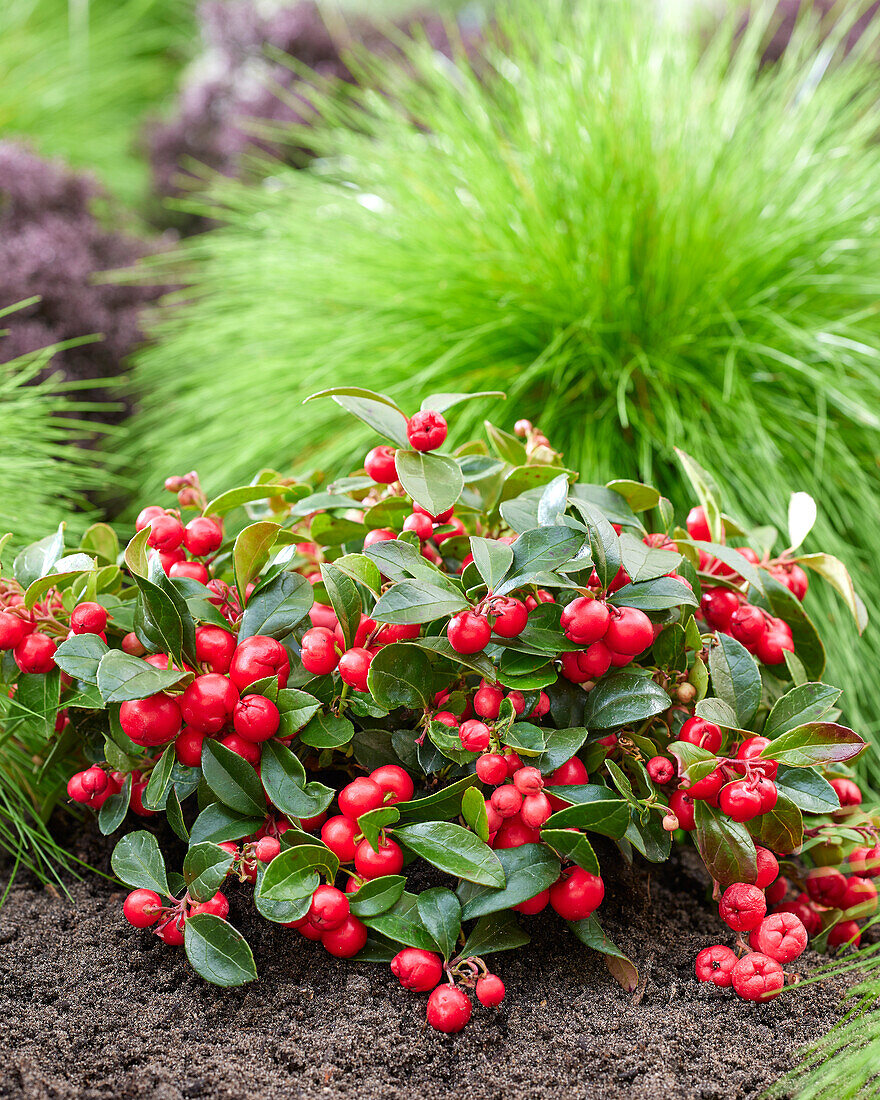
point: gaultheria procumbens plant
(617, 223)
(474, 659)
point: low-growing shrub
(476, 660)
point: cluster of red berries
(145, 909)
(449, 1007)
(324, 650)
(613, 637)
(385, 786)
(183, 550)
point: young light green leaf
(432, 480)
(250, 551)
(802, 514)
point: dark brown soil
(93, 1009)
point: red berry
(417, 970)
(468, 632)
(533, 905)
(697, 731)
(507, 800)
(585, 620)
(747, 625)
(155, 720)
(768, 793)
(338, 834)
(394, 781)
(595, 660)
(536, 808)
(802, 909)
(569, 774)
(166, 533)
(449, 1009)
(214, 648)
(826, 886)
(742, 907)
(490, 990)
(847, 791)
(397, 632)
(630, 632)
(379, 534)
(776, 891)
(769, 647)
(354, 665)
(208, 703)
(474, 735)
(845, 932)
(697, 524)
(75, 790)
(360, 796)
(171, 933)
(719, 606)
(345, 940)
(147, 515)
(328, 909)
(514, 832)
(705, 789)
(781, 936)
(35, 653)
(487, 700)
(94, 780)
(528, 780)
(682, 806)
(380, 466)
(217, 906)
(715, 964)
(757, 977)
(492, 769)
(247, 750)
(12, 630)
(866, 861)
(319, 654)
(768, 868)
(420, 525)
(142, 907)
(426, 431)
(660, 769)
(256, 658)
(88, 618)
(192, 569)
(131, 644)
(577, 894)
(267, 848)
(202, 536)
(751, 750)
(445, 718)
(256, 718)
(510, 617)
(136, 803)
(370, 862)
(740, 801)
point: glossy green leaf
(572, 846)
(285, 783)
(735, 678)
(432, 480)
(440, 911)
(493, 933)
(527, 870)
(156, 790)
(232, 779)
(452, 849)
(37, 560)
(403, 924)
(327, 731)
(217, 822)
(122, 677)
(815, 743)
(802, 705)
(608, 816)
(725, 846)
(113, 811)
(377, 896)
(781, 829)
(276, 606)
(492, 559)
(137, 861)
(400, 676)
(659, 594)
(345, 600)
(374, 821)
(250, 552)
(622, 699)
(538, 551)
(205, 868)
(218, 952)
(473, 810)
(296, 709)
(80, 656)
(417, 602)
(807, 789)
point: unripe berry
(380, 466)
(426, 431)
(490, 990)
(449, 1009)
(142, 907)
(417, 970)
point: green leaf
(815, 743)
(416, 602)
(440, 402)
(400, 676)
(807, 789)
(717, 711)
(245, 494)
(736, 678)
(706, 490)
(374, 821)
(122, 677)
(377, 896)
(137, 861)
(537, 551)
(473, 810)
(345, 600)
(218, 952)
(432, 480)
(604, 543)
(648, 837)
(296, 709)
(440, 911)
(399, 560)
(232, 779)
(528, 870)
(439, 805)
(284, 880)
(645, 563)
(492, 559)
(403, 924)
(506, 446)
(622, 969)
(656, 595)
(835, 572)
(205, 868)
(781, 829)
(283, 778)
(250, 551)
(296, 903)
(36, 560)
(217, 822)
(452, 849)
(276, 606)
(101, 540)
(374, 409)
(725, 846)
(327, 731)
(622, 699)
(63, 570)
(80, 656)
(164, 620)
(493, 933)
(525, 738)
(640, 497)
(156, 790)
(113, 811)
(605, 815)
(362, 569)
(175, 815)
(572, 846)
(803, 704)
(757, 578)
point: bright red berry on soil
(845, 932)
(468, 632)
(768, 867)
(715, 964)
(347, 939)
(328, 908)
(417, 970)
(142, 907)
(370, 862)
(217, 906)
(449, 1009)
(360, 796)
(781, 936)
(338, 834)
(577, 894)
(380, 466)
(490, 990)
(155, 720)
(426, 431)
(256, 658)
(742, 907)
(757, 977)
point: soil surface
(94, 1009)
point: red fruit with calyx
(217, 906)
(715, 964)
(698, 731)
(396, 784)
(345, 940)
(359, 797)
(660, 769)
(208, 703)
(781, 936)
(35, 653)
(748, 625)
(697, 524)
(417, 970)
(354, 667)
(751, 750)
(528, 780)
(256, 658)
(474, 735)
(507, 800)
(847, 791)
(585, 620)
(267, 848)
(741, 801)
(328, 908)
(468, 632)
(380, 465)
(75, 790)
(487, 700)
(594, 661)
(757, 977)
(492, 769)
(256, 718)
(214, 648)
(742, 906)
(509, 617)
(826, 886)
(577, 894)
(94, 780)
(768, 867)
(776, 891)
(706, 789)
(319, 655)
(202, 536)
(12, 630)
(536, 809)
(370, 862)
(490, 990)
(449, 1009)
(166, 533)
(155, 720)
(682, 806)
(339, 833)
(142, 908)
(88, 618)
(426, 431)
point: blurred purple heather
(54, 245)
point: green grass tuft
(644, 243)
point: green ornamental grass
(624, 227)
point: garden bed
(93, 1009)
